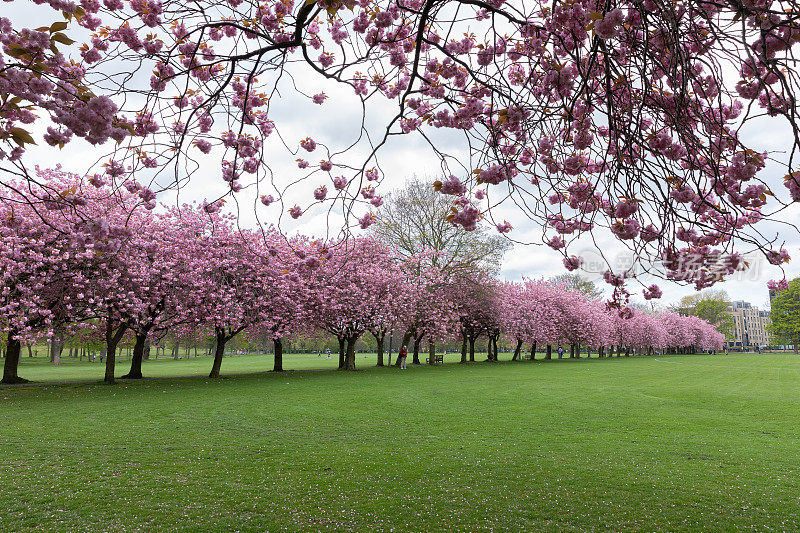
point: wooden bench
(437, 358)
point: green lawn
(665, 443)
(39, 369)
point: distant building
(749, 326)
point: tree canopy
(713, 306)
(413, 220)
(785, 315)
(577, 282)
(623, 119)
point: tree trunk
(472, 340)
(628, 351)
(379, 341)
(417, 341)
(278, 365)
(533, 351)
(464, 348)
(350, 355)
(30, 353)
(406, 339)
(146, 350)
(342, 341)
(572, 351)
(175, 350)
(11, 365)
(112, 339)
(431, 350)
(219, 352)
(517, 350)
(549, 353)
(57, 346)
(138, 354)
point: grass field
(665, 443)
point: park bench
(437, 358)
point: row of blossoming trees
(106, 260)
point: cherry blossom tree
(351, 292)
(163, 285)
(232, 267)
(622, 118)
(432, 311)
(53, 254)
(287, 288)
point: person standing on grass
(402, 355)
(560, 352)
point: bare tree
(414, 219)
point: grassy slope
(681, 442)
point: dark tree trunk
(549, 353)
(11, 365)
(417, 341)
(379, 341)
(517, 350)
(464, 348)
(175, 350)
(406, 339)
(219, 352)
(113, 337)
(628, 351)
(350, 355)
(431, 350)
(30, 353)
(533, 351)
(278, 365)
(472, 340)
(600, 352)
(572, 351)
(146, 350)
(138, 354)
